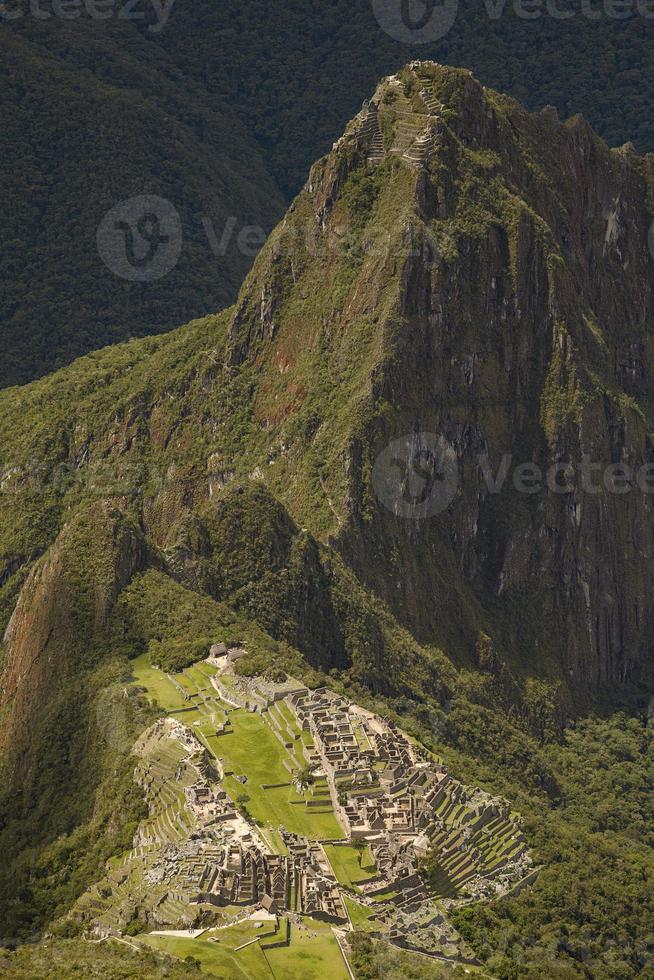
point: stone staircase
(470, 848)
(377, 152)
(371, 133)
(416, 155)
(434, 105)
(413, 137)
(407, 131)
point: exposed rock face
(519, 328)
(59, 616)
(456, 268)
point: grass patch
(345, 862)
(158, 685)
(384, 896)
(360, 916)
(216, 959)
(312, 954)
(250, 749)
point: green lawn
(289, 718)
(275, 839)
(360, 915)
(253, 750)
(159, 687)
(384, 896)
(345, 862)
(312, 954)
(186, 682)
(272, 840)
(216, 959)
(362, 739)
(200, 677)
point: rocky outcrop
(56, 630)
(511, 307)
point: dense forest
(221, 113)
(586, 798)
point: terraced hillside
(251, 745)
(264, 798)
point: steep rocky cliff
(461, 289)
(59, 620)
(489, 276)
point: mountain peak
(460, 266)
(434, 156)
(408, 109)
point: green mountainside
(454, 266)
(282, 66)
(92, 116)
(98, 961)
(222, 112)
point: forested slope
(214, 112)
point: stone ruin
(196, 852)
(388, 793)
(316, 891)
(244, 875)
